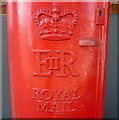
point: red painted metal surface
(57, 58)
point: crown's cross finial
(55, 12)
(56, 4)
(56, 7)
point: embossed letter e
(44, 67)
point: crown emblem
(56, 25)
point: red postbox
(57, 58)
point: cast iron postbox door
(57, 56)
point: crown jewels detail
(55, 25)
